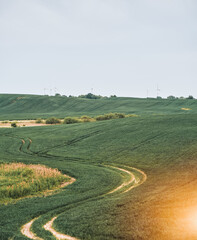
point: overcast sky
(122, 47)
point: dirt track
(131, 178)
(131, 182)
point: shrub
(70, 120)
(100, 118)
(171, 97)
(109, 116)
(86, 119)
(13, 124)
(120, 115)
(52, 120)
(39, 120)
(5, 122)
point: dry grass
(19, 180)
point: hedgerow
(39, 120)
(69, 120)
(109, 116)
(52, 120)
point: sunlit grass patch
(20, 180)
(186, 109)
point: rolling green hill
(110, 160)
(17, 107)
(163, 146)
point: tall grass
(19, 180)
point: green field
(161, 142)
(15, 106)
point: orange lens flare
(188, 221)
(191, 219)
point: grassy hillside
(163, 146)
(32, 106)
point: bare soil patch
(21, 123)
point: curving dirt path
(129, 183)
(126, 184)
(26, 230)
(49, 227)
(132, 181)
(139, 181)
(133, 178)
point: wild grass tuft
(19, 180)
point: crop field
(19, 107)
(136, 178)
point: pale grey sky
(121, 47)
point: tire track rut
(130, 181)
(126, 186)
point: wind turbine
(158, 90)
(147, 93)
(45, 91)
(55, 90)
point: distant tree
(190, 97)
(57, 94)
(171, 97)
(159, 97)
(113, 96)
(90, 96)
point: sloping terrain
(103, 156)
(17, 107)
